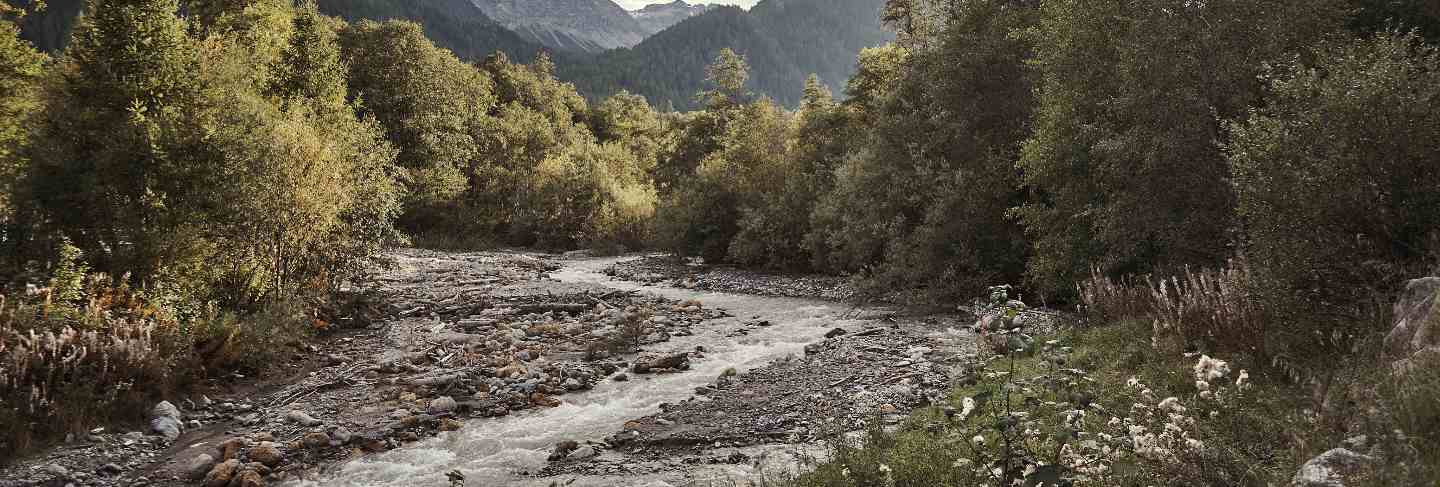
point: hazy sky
(634, 4)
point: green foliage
(922, 209)
(20, 73)
(1123, 160)
(1336, 176)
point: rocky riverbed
(562, 375)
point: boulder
(582, 453)
(165, 420)
(563, 449)
(267, 453)
(1416, 333)
(679, 361)
(441, 405)
(196, 467)
(1330, 469)
(222, 474)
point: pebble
(582, 453)
(302, 418)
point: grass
(1257, 436)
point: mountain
(567, 25)
(660, 16)
(783, 41)
(457, 25)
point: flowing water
(492, 452)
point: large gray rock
(165, 420)
(1416, 334)
(1330, 469)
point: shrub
(1337, 182)
(1122, 159)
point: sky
(634, 4)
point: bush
(1123, 161)
(1337, 182)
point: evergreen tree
(20, 70)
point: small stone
(57, 470)
(441, 405)
(222, 474)
(302, 418)
(267, 453)
(620, 378)
(341, 436)
(197, 466)
(573, 385)
(410, 436)
(835, 333)
(448, 424)
(887, 408)
(315, 440)
(110, 469)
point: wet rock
(835, 333)
(582, 453)
(563, 449)
(222, 474)
(573, 384)
(165, 420)
(267, 453)
(679, 361)
(620, 378)
(302, 418)
(196, 466)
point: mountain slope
(567, 25)
(457, 25)
(783, 40)
(656, 17)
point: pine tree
(20, 70)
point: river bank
(488, 365)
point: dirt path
(512, 368)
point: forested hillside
(1219, 204)
(784, 41)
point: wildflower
(1243, 382)
(962, 463)
(885, 469)
(1194, 444)
(967, 407)
(978, 440)
(1172, 404)
(1133, 383)
(1209, 369)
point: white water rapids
(490, 452)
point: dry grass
(1217, 310)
